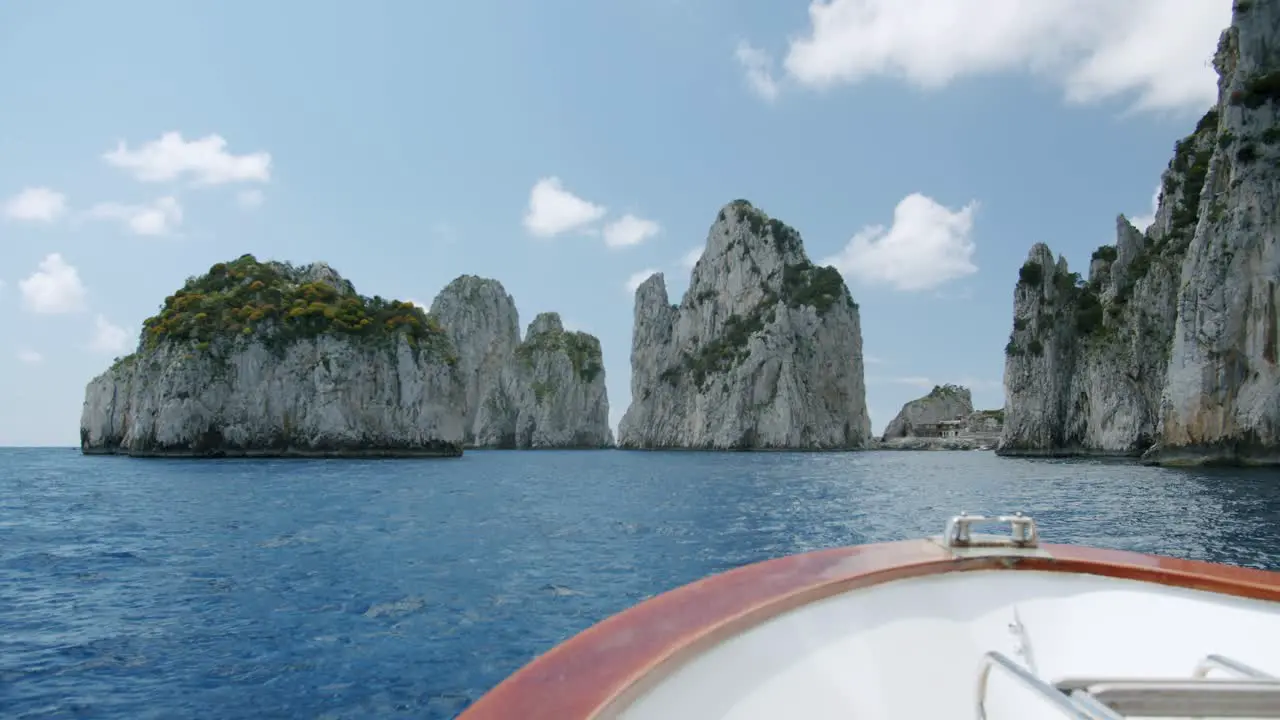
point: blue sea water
(403, 588)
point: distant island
(943, 420)
(546, 391)
(764, 351)
(1169, 350)
(265, 359)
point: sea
(407, 588)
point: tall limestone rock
(565, 402)
(764, 350)
(1221, 400)
(545, 392)
(944, 402)
(481, 321)
(1171, 339)
(267, 359)
(1085, 361)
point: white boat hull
(913, 648)
(960, 626)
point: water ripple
(265, 589)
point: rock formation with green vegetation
(1168, 348)
(914, 427)
(545, 392)
(944, 402)
(267, 359)
(764, 350)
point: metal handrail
(1174, 697)
(1233, 666)
(1070, 708)
(1080, 704)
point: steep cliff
(1171, 339)
(266, 359)
(545, 392)
(1086, 359)
(763, 351)
(481, 321)
(944, 402)
(565, 403)
(1221, 400)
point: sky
(569, 148)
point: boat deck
(908, 629)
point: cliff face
(264, 359)
(944, 402)
(481, 321)
(564, 402)
(1086, 359)
(1171, 339)
(1221, 399)
(764, 350)
(545, 392)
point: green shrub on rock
(279, 303)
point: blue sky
(566, 147)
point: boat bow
(637, 664)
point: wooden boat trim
(605, 667)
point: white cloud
(54, 288)
(554, 210)
(871, 360)
(927, 246)
(1097, 49)
(758, 66)
(636, 278)
(156, 218)
(691, 258)
(36, 204)
(30, 357)
(1142, 222)
(419, 303)
(249, 199)
(629, 230)
(206, 161)
(572, 325)
(108, 338)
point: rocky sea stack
(266, 359)
(1169, 348)
(545, 392)
(942, 420)
(943, 403)
(763, 352)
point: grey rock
(545, 392)
(944, 402)
(481, 320)
(1221, 396)
(1170, 349)
(264, 393)
(763, 351)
